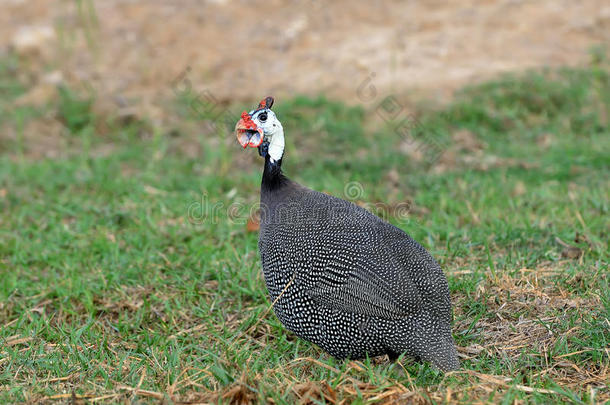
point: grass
(128, 269)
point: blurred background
(128, 53)
(128, 222)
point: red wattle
(248, 123)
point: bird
(339, 276)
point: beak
(248, 133)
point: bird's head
(261, 129)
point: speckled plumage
(348, 281)
(358, 285)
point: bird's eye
(262, 117)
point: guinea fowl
(339, 276)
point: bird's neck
(273, 178)
(272, 174)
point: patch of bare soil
(141, 52)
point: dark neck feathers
(273, 178)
